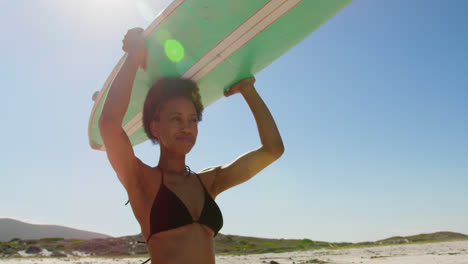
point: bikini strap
(200, 181)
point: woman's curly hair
(162, 91)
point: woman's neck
(172, 163)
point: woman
(174, 206)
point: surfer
(175, 206)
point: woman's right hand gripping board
(134, 45)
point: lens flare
(174, 50)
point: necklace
(187, 170)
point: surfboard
(216, 44)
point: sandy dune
(455, 252)
(431, 253)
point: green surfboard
(216, 44)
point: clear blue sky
(371, 107)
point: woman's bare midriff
(187, 244)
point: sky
(371, 108)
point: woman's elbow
(277, 152)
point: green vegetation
(229, 244)
(60, 247)
(11, 247)
(76, 242)
(246, 244)
(250, 245)
(51, 239)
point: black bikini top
(169, 212)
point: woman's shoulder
(207, 176)
(210, 169)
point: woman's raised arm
(252, 162)
(117, 144)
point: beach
(453, 252)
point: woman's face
(177, 127)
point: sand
(455, 252)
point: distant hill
(11, 228)
(423, 238)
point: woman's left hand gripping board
(240, 87)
